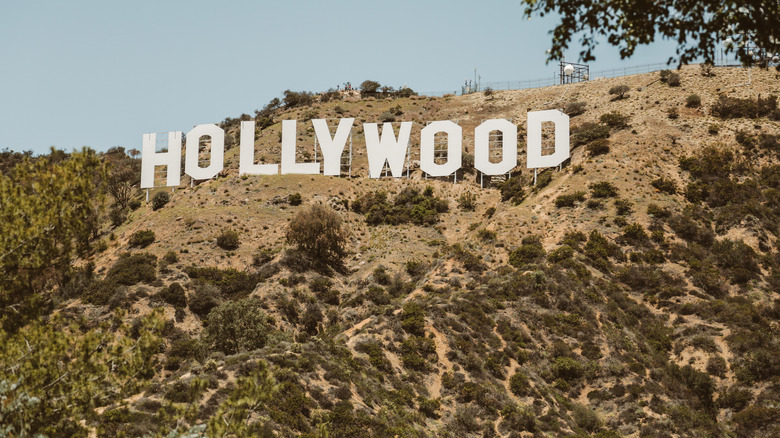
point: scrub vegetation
(633, 292)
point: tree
(50, 206)
(369, 86)
(619, 91)
(318, 232)
(55, 375)
(698, 27)
(237, 326)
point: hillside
(633, 292)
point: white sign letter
(247, 164)
(454, 140)
(217, 152)
(535, 157)
(388, 149)
(289, 138)
(508, 147)
(171, 159)
(332, 148)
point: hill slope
(646, 305)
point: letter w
(389, 149)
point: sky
(101, 74)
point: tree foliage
(318, 232)
(55, 374)
(49, 209)
(698, 27)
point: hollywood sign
(385, 149)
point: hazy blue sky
(102, 73)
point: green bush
(133, 268)
(413, 319)
(635, 234)
(528, 252)
(569, 200)
(228, 239)
(205, 298)
(603, 189)
(231, 282)
(318, 232)
(519, 385)
(574, 109)
(159, 200)
(664, 185)
(598, 147)
(623, 207)
(430, 407)
(564, 252)
(512, 190)
(408, 206)
(734, 107)
(693, 101)
(588, 132)
(295, 199)
(174, 295)
(417, 352)
(615, 120)
(142, 238)
(236, 326)
(467, 201)
(673, 80)
(619, 91)
(567, 369)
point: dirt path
(442, 348)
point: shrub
(659, 212)
(205, 298)
(574, 109)
(623, 207)
(294, 99)
(693, 101)
(569, 200)
(673, 80)
(159, 200)
(467, 201)
(737, 258)
(598, 147)
(603, 189)
(588, 132)
(564, 252)
(519, 385)
(174, 295)
(672, 113)
(237, 326)
(619, 91)
(734, 107)
(415, 268)
(429, 407)
(717, 366)
(117, 215)
(585, 417)
(408, 206)
(142, 238)
(231, 282)
(387, 117)
(713, 129)
(369, 86)
(318, 232)
(615, 120)
(512, 190)
(567, 369)
(665, 75)
(526, 253)
(417, 351)
(228, 239)
(295, 199)
(133, 268)
(413, 319)
(635, 234)
(745, 139)
(664, 185)
(487, 235)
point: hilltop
(632, 292)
